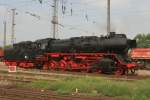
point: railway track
(31, 74)
(30, 94)
(46, 75)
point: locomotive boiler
(117, 43)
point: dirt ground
(144, 72)
(8, 91)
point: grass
(133, 90)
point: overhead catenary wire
(33, 14)
(84, 14)
(92, 12)
(24, 3)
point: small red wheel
(85, 68)
(53, 65)
(22, 65)
(74, 65)
(119, 71)
(14, 63)
(29, 65)
(6, 63)
(63, 65)
(45, 66)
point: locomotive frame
(87, 62)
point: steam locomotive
(106, 54)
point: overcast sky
(88, 18)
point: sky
(88, 18)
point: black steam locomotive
(114, 43)
(29, 51)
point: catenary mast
(108, 17)
(55, 19)
(13, 27)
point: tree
(143, 40)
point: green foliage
(143, 40)
(133, 90)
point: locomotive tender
(91, 54)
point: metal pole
(13, 26)
(55, 18)
(4, 41)
(108, 17)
